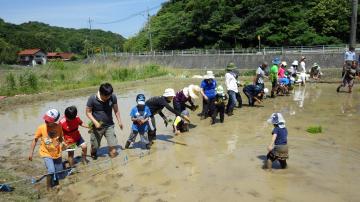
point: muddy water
(220, 162)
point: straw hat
(194, 91)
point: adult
(293, 69)
(238, 96)
(315, 71)
(232, 88)
(260, 75)
(274, 75)
(254, 94)
(99, 109)
(186, 95)
(208, 92)
(156, 105)
(303, 70)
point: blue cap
(276, 61)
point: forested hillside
(39, 35)
(184, 24)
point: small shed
(60, 55)
(32, 57)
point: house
(60, 55)
(32, 57)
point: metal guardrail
(247, 51)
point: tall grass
(58, 75)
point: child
(180, 125)
(278, 149)
(139, 116)
(349, 75)
(70, 125)
(219, 106)
(51, 137)
(254, 94)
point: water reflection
(299, 96)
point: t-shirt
(260, 72)
(50, 145)
(253, 90)
(157, 103)
(209, 88)
(273, 72)
(302, 67)
(140, 114)
(71, 129)
(102, 111)
(220, 99)
(281, 73)
(230, 82)
(350, 56)
(281, 135)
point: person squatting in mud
(254, 94)
(277, 149)
(50, 134)
(156, 105)
(140, 115)
(180, 125)
(99, 109)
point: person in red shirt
(70, 126)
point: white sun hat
(295, 63)
(278, 119)
(209, 75)
(169, 92)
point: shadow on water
(104, 151)
(167, 138)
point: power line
(128, 17)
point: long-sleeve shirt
(181, 98)
(230, 82)
(158, 103)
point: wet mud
(209, 163)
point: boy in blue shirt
(139, 116)
(278, 149)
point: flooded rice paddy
(210, 163)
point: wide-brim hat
(276, 61)
(230, 66)
(51, 116)
(295, 63)
(186, 91)
(209, 75)
(169, 92)
(194, 91)
(278, 119)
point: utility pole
(149, 30)
(353, 23)
(90, 41)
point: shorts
(108, 132)
(80, 142)
(152, 124)
(54, 166)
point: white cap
(51, 116)
(169, 92)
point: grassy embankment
(57, 76)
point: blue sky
(75, 13)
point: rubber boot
(283, 164)
(48, 182)
(338, 89)
(127, 145)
